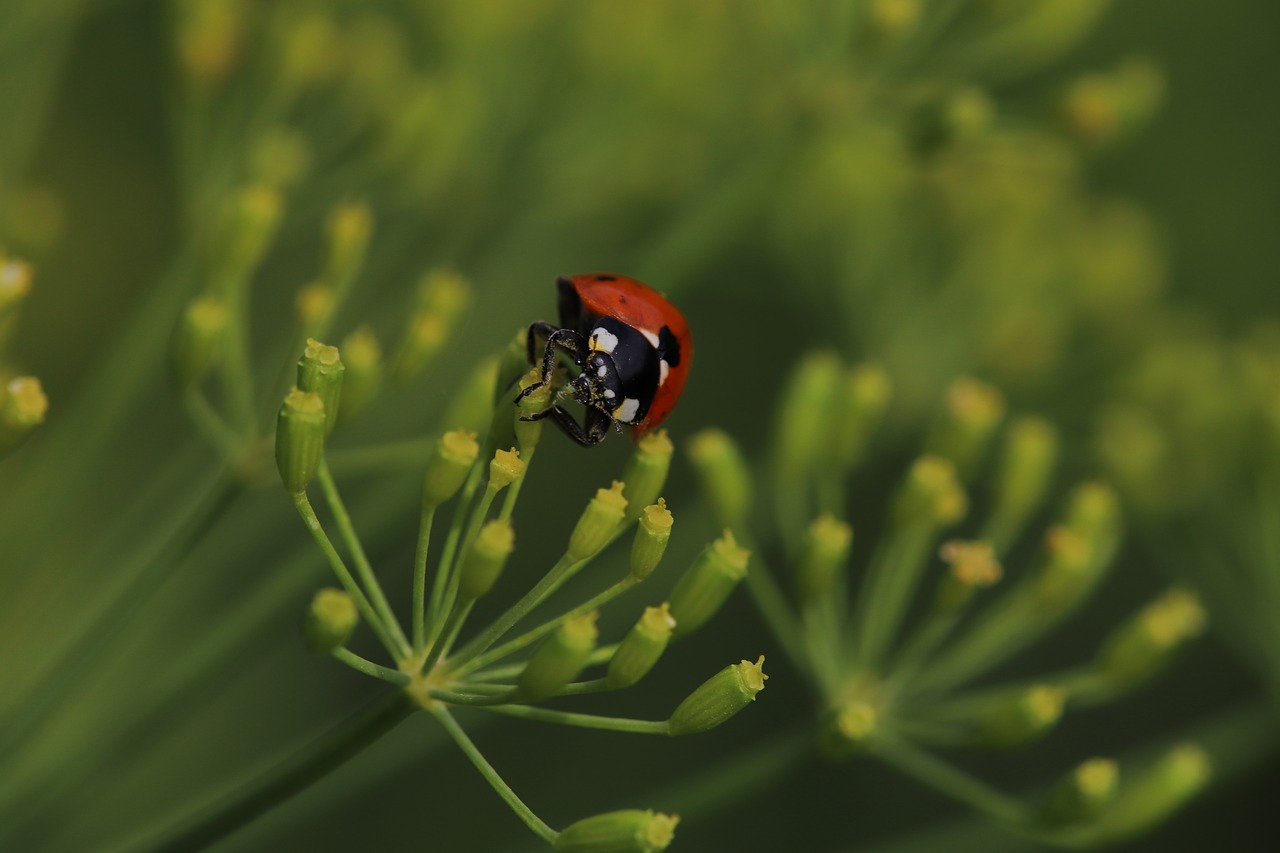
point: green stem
(454, 575)
(950, 780)
(441, 644)
(584, 721)
(891, 580)
(296, 774)
(599, 656)
(473, 699)
(367, 611)
(440, 587)
(773, 605)
(363, 568)
(514, 645)
(545, 832)
(368, 667)
(210, 424)
(420, 580)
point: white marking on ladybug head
(627, 411)
(604, 340)
(649, 336)
(663, 370)
(601, 371)
(609, 395)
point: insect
(631, 345)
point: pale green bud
(331, 620)
(640, 650)
(314, 306)
(629, 831)
(250, 225)
(198, 340)
(826, 552)
(850, 729)
(348, 229)
(528, 433)
(1144, 645)
(597, 524)
(455, 453)
(650, 543)
(931, 493)
(968, 422)
(1021, 717)
(1022, 476)
(22, 408)
(320, 370)
(299, 439)
(723, 474)
(505, 468)
(1151, 797)
(971, 565)
(362, 355)
(559, 658)
(706, 585)
(1083, 794)
(719, 698)
(866, 394)
(485, 559)
(810, 401)
(646, 472)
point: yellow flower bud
(331, 620)
(705, 586)
(597, 524)
(650, 543)
(455, 453)
(505, 468)
(719, 698)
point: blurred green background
(797, 176)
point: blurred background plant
(976, 187)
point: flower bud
(1082, 795)
(348, 229)
(971, 565)
(1021, 717)
(15, 284)
(250, 225)
(650, 543)
(279, 157)
(1022, 476)
(472, 404)
(646, 472)
(513, 363)
(527, 433)
(505, 468)
(629, 831)
(22, 408)
(957, 117)
(640, 649)
(444, 294)
(362, 355)
(849, 730)
(320, 371)
(826, 551)
(1099, 109)
(931, 493)
(890, 20)
(705, 586)
(1066, 575)
(719, 698)
(559, 658)
(964, 430)
(1153, 796)
(331, 619)
(198, 340)
(1093, 512)
(210, 33)
(866, 394)
(423, 338)
(598, 522)
(314, 306)
(1141, 647)
(723, 474)
(485, 559)
(455, 453)
(299, 439)
(809, 403)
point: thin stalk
(420, 580)
(532, 635)
(599, 656)
(363, 568)
(368, 667)
(367, 612)
(210, 424)
(478, 514)
(296, 774)
(441, 645)
(951, 780)
(440, 587)
(583, 721)
(473, 699)
(545, 832)
(773, 605)
(891, 581)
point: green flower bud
(485, 559)
(826, 552)
(250, 225)
(331, 620)
(931, 493)
(198, 340)
(1144, 645)
(1082, 795)
(650, 543)
(1022, 476)
(597, 524)
(505, 468)
(1153, 796)
(362, 355)
(348, 229)
(209, 38)
(314, 306)
(890, 20)
(423, 338)
(22, 408)
(646, 471)
(964, 430)
(15, 284)
(630, 831)
(970, 565)
(472, 405)
(866, 394)
(640, 649)
(705, 586)
(513, 363)
(320, 371)
(455, 453)
(1067, 574)
(1021, 717)
(299, 439)
(280, 157)
(719, 698)
(1093, 512)
(849, 730)
(559, 658)
(957, 117)
(723, 474)
(809, 404)
(1099, 109)
(528, 432)
(444, 294)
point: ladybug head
(598, 386)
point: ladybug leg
(566, 339)
(596, 427)
(540, 329)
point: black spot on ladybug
(668, 346)
(607, 278)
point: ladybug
(632, 348)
